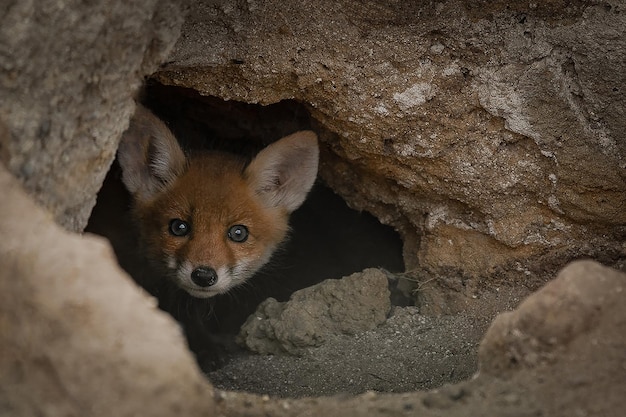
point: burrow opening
(327, 239)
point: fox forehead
(211, 184)
(213, 194)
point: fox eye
(238, 233)
(179, 227)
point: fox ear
(150, 155)
(283, 173)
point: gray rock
(585, 300)
(69, 72)
(349, 305)
(77, 336)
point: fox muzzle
(204, 276)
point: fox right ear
(149, 155)
(283, 173)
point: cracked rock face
(489, 134)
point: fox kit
(211, 219)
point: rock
(77, 336)
(585, 303)
(490, 135)
(350, 305)
(69, 72)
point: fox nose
(204, 276)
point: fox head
(211, 219)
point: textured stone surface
(584, 303)
(490, 134)
(77, 336)
(350, 305)
(68, 74)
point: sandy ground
(409, 352)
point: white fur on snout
(244, 269)
(224, 280)
(183, 273)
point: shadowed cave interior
(328, 240)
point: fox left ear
(149, 155)
(283, 173)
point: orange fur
(211, 192)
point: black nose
(204, 276)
